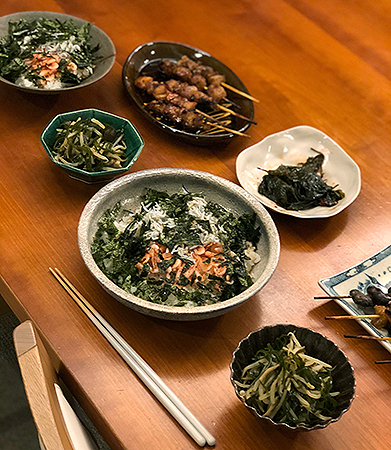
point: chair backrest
(57, 424)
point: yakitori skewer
(196, 73)
(188, 119)
(387, 361)
(239, 133)
(215, 123)
(374, 296)
(237, 91)
(381, 318)
(359, 316)
(181, 94)
(223, 108)
(364, 336)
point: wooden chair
(57, 424)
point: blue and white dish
(375, 271)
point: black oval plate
(152, 52)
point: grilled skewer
(374, 296)
(196, 73)
(381, 318)
(377, 338)
(180, 94)
(189, 119)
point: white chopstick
(152, 381)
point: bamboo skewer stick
(237, 91)
(151, 380)
(223, 108)
(214, 124)
(377, 338)
(331, 297)
(217, 123)
(387, 361)
(360, 316)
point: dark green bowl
(134, 143)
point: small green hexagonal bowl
(134, 143)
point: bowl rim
(79, 171)
(63, 16)
(165, 311)
(290, 327)
(172, 130)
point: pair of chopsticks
(151, 380)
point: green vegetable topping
(289, 386)
(90, 145)
(177, 250)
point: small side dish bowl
(129, 188)
(317, 346)
(105, 55)
(149, 54)
(292, 147)
(132, 138)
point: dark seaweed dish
(300, 187)
(177, 250)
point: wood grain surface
(323, 64)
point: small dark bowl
(316, 345)
(132, 138)
(106, 52)
(151, 52)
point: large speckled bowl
(106, 51)
(215, 189)
(316, 345)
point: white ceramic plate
(376, 271)
(291, 147)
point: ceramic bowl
(152, 52)
(106, 52)
(134, 143)
(316, 345)
(291, 147)
(131, 187)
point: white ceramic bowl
(291, 147)
(216, 189)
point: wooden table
(323, 64)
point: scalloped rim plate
(293, 146)
(376, 270)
